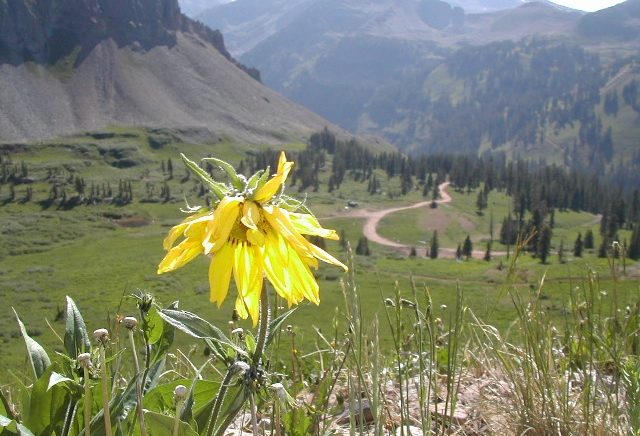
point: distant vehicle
(352, 203)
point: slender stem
(87, 402)
(254, 413)
(105, 392)
(176, 422)
(263, 327)
(143, 429)
(277, 419)
(219, 400)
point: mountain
(252, 21)
(72, 65)
(620, 22)
(536, 80)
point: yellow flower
(252, 235)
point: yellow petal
(279, 220)
(180, 255)
(269, 189)
(224, 218)
(250, 215)
(308, 225)
(276, 268)
(176, 231)
(247, 272)
(304, 281)
(255, 237)
(220, 274)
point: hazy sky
(588, 5)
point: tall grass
(448, 370)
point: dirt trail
(372, 219)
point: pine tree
(363, 247)
(344, 243)
(434, 247)
(578, 246)
(487, 253)
(543, 245)
(459, 252)
(412, 252)
(633, 251)
(561, 252)
(467, 247)
(588, 240)
(481, 202)
(170, 168)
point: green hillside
(89, 213)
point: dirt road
(372, 219)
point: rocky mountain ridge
(75, 65)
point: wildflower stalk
(254, 413)
(130, 327)
(105, 391)
(84, 360)
(180, 393)
(263, 327)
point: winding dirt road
(372, 220)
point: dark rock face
(45, 31)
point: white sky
(588, 5)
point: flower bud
(180, 392)
(130, 322)
(237, 332)
(101, 335)
(84, 360)
(145, 302)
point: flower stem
(254, 414)
(105, 391)
(176, 422)
(219, 400)
(263, 327)
(143, 429)
(87, 402)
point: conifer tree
(543, 245)
(434, 247)
(578, 246)
(363, 247)
(467, 247)
(589, 243)
(487, 253)
(633, 251)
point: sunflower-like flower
(254, 231)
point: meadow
(102, 254)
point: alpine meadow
(315, 217)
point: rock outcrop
(45, 32)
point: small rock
(362, 408)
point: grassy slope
(48, 253)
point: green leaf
(12, 427)
(254, 180)
(219, 189)
(37, 356)
(76, 338)
(275, 325)
(123, 403)
(162, 425)
(237, 181)
(5, 408)
(47, 408)
(193, 325)
(197, 327)
(159, 332)
(57, 379)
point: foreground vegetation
(397, 321)
(446, 369)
